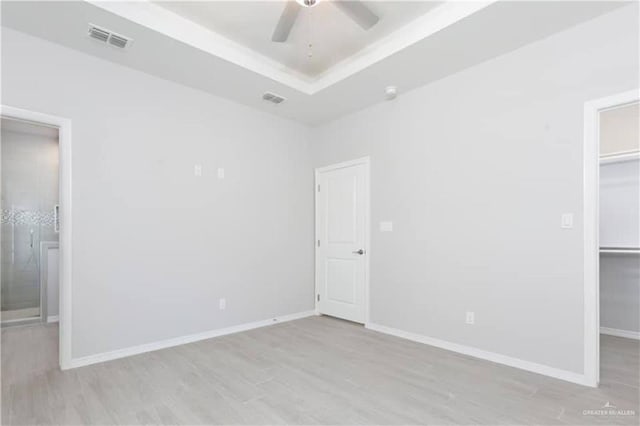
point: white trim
(157, 18)
(545, 370)
(65, 170)
(182, 340)
(366, 161)
(53, 318)
(343, 164)
(591, 179)
(620, 333)
(425, 26)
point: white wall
(154, 247)
(619, 227)
(620, 204)
(475, 170)
(620, 291)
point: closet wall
(619, 225)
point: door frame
(591, 207)
(365, 161)
(64, 200)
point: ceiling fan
(354, 9)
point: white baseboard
(176, 341)
(557, 373)
(53, 318)
(620, 333)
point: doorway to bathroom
(29, 231)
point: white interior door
(342, 235)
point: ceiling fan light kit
(354, 9)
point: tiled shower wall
(29, 171)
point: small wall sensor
(390, 92)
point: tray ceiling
(445, 39)
(333, 36)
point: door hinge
(318, 298)
(318, 187)
(318, 243)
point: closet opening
(619, 235)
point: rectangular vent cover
(273, 98)
(109, 37)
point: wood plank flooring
(316, 370)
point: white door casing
(591, 218)
(342, 249)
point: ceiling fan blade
(287, 19)
(357, 11)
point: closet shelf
(620, 157)
(627, 250)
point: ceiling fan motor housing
(354, 9)
(309, 3)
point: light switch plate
(197, 170)
(470, 318)
(566, 221)
(220, 173)
(386, 226)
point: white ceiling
(448, 38)
(333, 35)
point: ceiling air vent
(109, 37)
(273, 98)
(118, 41)
(98, 34)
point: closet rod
(632, 250)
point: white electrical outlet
(223, 304)
(220, 173)
(197, 170)
(471, 318)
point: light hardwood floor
(316, 370)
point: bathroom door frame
(591, 217)
(64, 200)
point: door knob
(360, 252)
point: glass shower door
(29, 187)
(20, 264)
